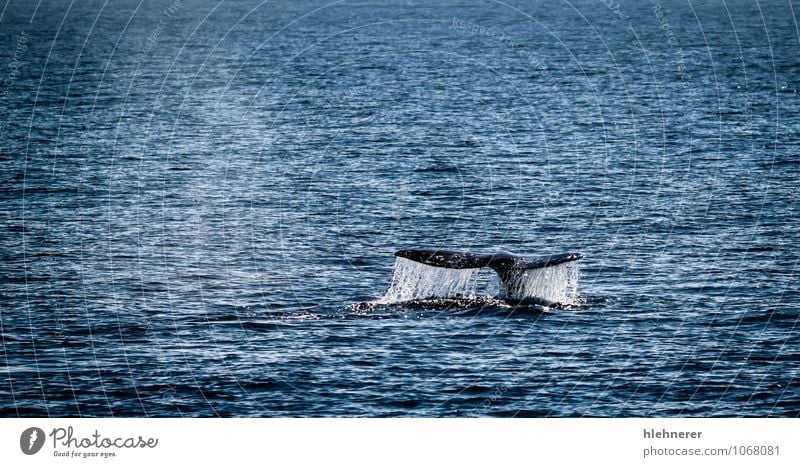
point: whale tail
(515, 272)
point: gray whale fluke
(497, 261)
(511, 268)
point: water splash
(417, 281)
(550, 285)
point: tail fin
(512, 269)
(499, 262)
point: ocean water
(200, 199)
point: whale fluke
(497, 261)
(512, 269)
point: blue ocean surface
(200, 202)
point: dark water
(193, 193)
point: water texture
(195, 196)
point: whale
(509, 267)
(498, 261)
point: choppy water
(194, 194)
